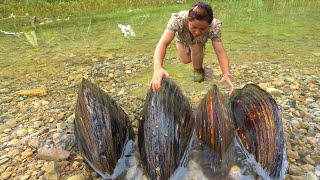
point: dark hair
(201, 11)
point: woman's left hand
(227, 79)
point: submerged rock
(101, 127)
(258, 124)
(165, 130)
(32, 92)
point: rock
(22, 132)
(303, 124)
(237, 73)
(295, 123)
(296, 177)
(235, 172)
(264, 86)
(274, 92)
(294, 170)
(51, 170)
(76, 177)
(70, 119)
(309, 160)
(64, 141)
(7, 173)
(14, 142)
(24, 177)
(278, 83)
(310, 176)
(306, 168)
(5, 91)
(313, 105)
(316, 119)
(33, 143)
(128, 71)
(11, 123)
(26, 153)
(32, 92)
(3, 127)
(111, 75)
(53, 154)
(293, 155)
(4, 160)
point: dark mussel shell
(259, 126)
(214, 123)
(101, 128)
(165, 130)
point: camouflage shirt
(179, 25)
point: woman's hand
(158, 74)
(227, 79)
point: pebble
(310, 176)
(77, 177)
(32, 92)
(53, 154)
(51, 170)
(293, 155)
(274, 92)
(7, 173)
(4, 160)
(22, 132)
(12, 123)
(5, 91)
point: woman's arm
(158, 57)
(224, 63)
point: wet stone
(12, 123)
(307, 168)
(22, 132)
(51, 170)
(4, 160)
(295, 170)
(77, 177)
(7, 173)
(64, 141)
(5, 91)
(293, 155)
(310, 176)
(53, 154)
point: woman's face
(198, 27)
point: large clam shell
(214, 123)
(258, 124)
(165, 130)
(101, 128)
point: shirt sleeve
(215, 30)
(175, 23)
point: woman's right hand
(158, 74)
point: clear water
(285, 32)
